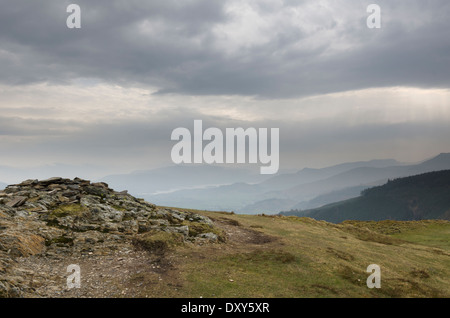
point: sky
(110, 93)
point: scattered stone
(29, 182)
(51, 180)
(101, 184)
(18, 201)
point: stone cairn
(59, 217)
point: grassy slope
(269, 256)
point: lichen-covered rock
(210, 236)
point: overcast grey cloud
(111, 92)
(271, 49)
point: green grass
(158, 242)
(68, 210)
(196, 228)
(256, 273)
(436, 235)
(308, 258)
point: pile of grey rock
(58, 217)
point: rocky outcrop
(59, 217)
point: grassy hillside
(278, 256)
(425, 196)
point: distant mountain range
(240, 196)
(334, 196)
(139, 183)
(305, 189)
(420, 197)
(2, 185)
(242, 190)
(308, 175)
(175, 178)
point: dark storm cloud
(173, 46)
(37, 45)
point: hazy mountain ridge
(419, 197)
(308, 175)
(363, 177)
(243, 190)
(335, 196)
(367, 174)
(224, 189)
(313, 187)
(178, 178)
(223, 198)
(246, 199)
